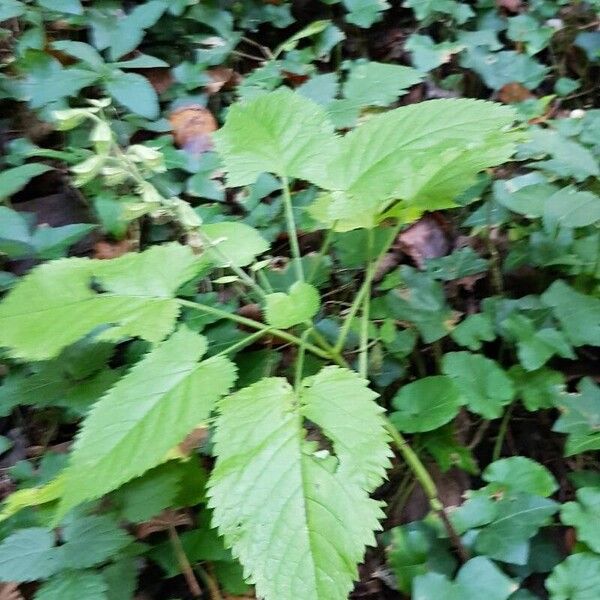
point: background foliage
(171, 414)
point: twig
(184, 563)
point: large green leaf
(58, 303)
(281, 133)
(584, 515)
(424, 154)
(576, 578)
(146, 414)
(235, 243)
(521, 474)
(134, 92)
(299, 305)
(297, 517)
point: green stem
(245, 342)
(363, 356)
(364, 289)
(502, 433)
(291, 229)
(324, 247)
(207, 242)
(283, 335)
(424, 478)
(300, 360)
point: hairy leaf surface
(150, 410)
(297, 517)
(61, 301)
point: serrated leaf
(280, 132)
(235, 243)
(478, 578)
(299, 305)
(521, 474)
(584, 515)
(90, 541)
(578, 313)
(482, 383)
(73, 585)
(28, 555)
(426, 404)
(56, 305)
(278, 500)
(424, 154)
(576, 578)
(149, 411)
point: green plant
(135, 297)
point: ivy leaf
(474, 330)
(426, 404)
(164, 397)
(576, 578)
(280, 132)
(537, 389)
(298, 306)
(461, 263)
(73, 585)
(518, 517)
(584, 515)
(580, 418)
(278, 500)
(11, 9)
(521, 474)
(90, 541)
(482, 383)
(72, 7)
(134, 92)
(569, 207)
(121, 579)
(56, 304)
(28, 555)
(578, 314)
(235, 243)
(427, 55)
(478, 578)
(15, 179)
(364, 13)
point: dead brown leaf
(221, 77)
(514, 92)
(427, 238)
(160, 78)
(107, 250)
(10, 591)
(193, 440)
(510, 5)
(192, 128)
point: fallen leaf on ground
(192, 128)
(425, 239)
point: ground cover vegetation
(300, 300)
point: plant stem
(210, 583)
(324, 247)
(207, 242)
(363, 356)
(364, 288)
(245, 342)
(300, 360)
(502, 433)
(291, 229)
(283, 335)
(184, 563)
(429, 487)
